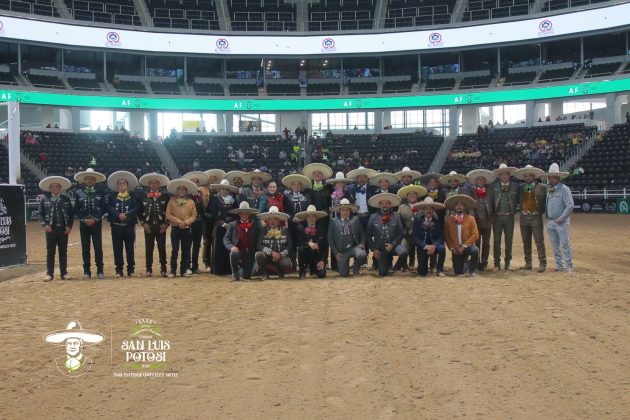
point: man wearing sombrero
(312, 242)
(275, 245)
(74, 363)
(201, 197)
(295, 200)
(346, 238)
(431, 181)
(505, 205)
(222, 202)
(406, 177)
(559, 209)
(56, 217)
(153, 219)
(237, 179)
(240, 240)
(428, 236)
(89, 207)
(253, 193)
(385, 232)
(339, 189)
(460, 234)
(181, 212)
(320, 191)
(214, 177)
(533, 197)
(483, 194)
(408, 212)
(359, 193)
(381, 183)
(123, 208)
(454, 184)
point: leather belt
(530, 213)
(363, 214)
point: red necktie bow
(459, 219)
(154, 194)
(310, 230)
(385, 219)
(481, 192)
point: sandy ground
(506, 345)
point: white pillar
(13, 123)
(65, 119)
(470, 119)
(136, 123)
(378, 121)
(453, 120)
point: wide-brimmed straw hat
(260, 174)
(504, 168)
(80, 177)
(273, 212)
(311, 209)
(361, 171)
(173, 185)
(289, 179)
(112, 180)
(554, 170)
(146, 179)
(446, 179)
(244, 206)
(326, 170)
(406, 171)
(384, 175)
(467, 200)
(485, 173)
(201, 176)
(528, 169)
(376, 199)
(223, 184)
(339, 177)
(219, 173)
(428, 202)
(237, 174)
(418, 189)
(345, 203)
(429, 176)
(45, 183)
(74, 330)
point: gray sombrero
(406, 171)
(444, 180)
(339, 178)
(223, 184)
(361, 171)
(428, 202)
(80, 177)
(174, 184)
(384, 175)
(146, 179)
(310, 210)
(528, 169)
(326, 170)
(112, 180)
(467, 200)
(376, 199)
(273, 212)
(45, 183)
(244, 206)
(485, 173)
(289, 179)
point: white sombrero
(376, 199)
(146, 179)
(223, 184)
(467, 200)
(428, 202)
(45, 183)
(429, 176)
(74, 330)
(173, 185)
(289, 179)
(219, 173)
(112, 181)
(244, 206)
(339, 178)
(384, 175)
(260, 174)
(529, 169)
(485, 173)
(418, 189)
(345, 203)
(273, 212)
(504, 168)
(453, 176)
(237, 174)
(310, 210)
(326, 171)
(201, 176)
(406, 171)
(361, 171)
(554, 170)
(80, 177)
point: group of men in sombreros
(242, 226)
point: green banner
(623, 205)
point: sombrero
(408, 172)
(112, 181)
(361, 171)
(289, 179)
(429, 176)
(237, 174)
(428, 202)
(529, 169)
(454, 199)
(146, 179)
(310, 210)
(219, 173)
(453, 176)
(504, 168)
(201, 176)
(485, 173)
(45, 183)
(383, 175)
(173, 185)
(244, 206)
(345, 203)
(339, 178)
(262, 175)
(326, 171)
(80, 177)
(554, 170)
(223, 184)
(418, 189)
(74, 330)
(273, 212)
(393, 199)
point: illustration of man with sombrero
(74, 363)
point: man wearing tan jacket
(181, 213)
(461, 234)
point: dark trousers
(57, 239)
(180, 238)
(503, 225)
(423, 260)
(385, 261)
(263, 260)
(124, 236)
(95, 235)
(410, 259)
(364, 219)
(308, 259)
(242, 261)
(196, 233)
(150, 239)
(459, 260)
(206, 255)
(483, 243)
(533, 226)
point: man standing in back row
(559, 209)
(505, 203)
(532, 198)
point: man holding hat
(181, 212)
(428, 236)
(460, 234)
(483, 194)
(201, 197)
(153, 219)
(89, 207)
(123, 208)
(505, 203)
(533, 197)
(312, 242)
(346, 238)
(559, 209)
(214, 177)
(408, 212)
(240, 240)
(385, 231)
(275, 245)
(56, 217)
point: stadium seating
(397, 86)
(556, 75)
(184, 14)
(362, 88)
(440, 84)
(39, 80)
(128, 86)
(402, 13)
(84, 84)
(243, 89)
(121, 12)
(322, 89)
(165, 88)
(7, 78)
(522, 78)
(475, 82)
(604, 69)
(210, 89)
(495, 9)
(283, 89)
(35, 7)
(262, 15)
(335, 15)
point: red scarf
(385, 219)
(245, 225)
(310, 230)
(414, 210)
(481, 192)
(459, 219)
(154, 194)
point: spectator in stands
(69, 173)
(108, 128)
(286, 133)
(173, 133)
(298, 133)
(43, 157)
(123, 208)
(195, 164)
(49, 125)
(627, 117)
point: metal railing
(39, 7)
(565, 4)
(605, 193)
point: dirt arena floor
(506, 345)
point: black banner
(595, 205)
(12, 225)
